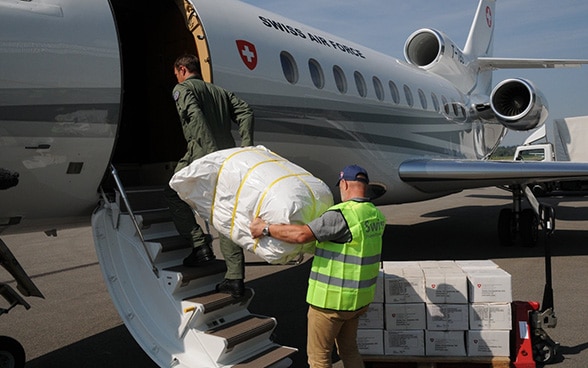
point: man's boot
(234, 287)
(200, 256)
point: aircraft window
(455, 108)
(360, 84)
(408, 94)
(435, 101)
(289, 67)
(340, 79)
(423, 99)
(445, 105)
(394, 92)
(316, 73)
(379, 88)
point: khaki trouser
(187, 227)
(234, 258)
(183, 217)
(329, 327)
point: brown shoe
(234, 287)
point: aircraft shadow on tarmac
(450, 234)
(470, 232)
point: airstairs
(172, 311)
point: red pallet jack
(531, 343)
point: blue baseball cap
(354, 173)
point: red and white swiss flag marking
(248, 53)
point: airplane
(85, 105)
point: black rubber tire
(543, 352)
(529, 228)
(12, 354)
(506, 228)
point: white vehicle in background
(565, 144)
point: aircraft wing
(438, 175)
(492, 63)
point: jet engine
(518, 105)
(434, 51)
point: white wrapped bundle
(231, 187)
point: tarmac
(76, 324)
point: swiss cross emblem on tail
(248, 53)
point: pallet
(389, 361)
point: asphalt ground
(76, 324)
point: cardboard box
(370, 342)
(409, 316)
(490, 316)
(404, 284)
(446, 285)
(447, 317)
(407, 342)
(373, 318)
(391, 266)
(487, 285)
(437, 264)
(476, 264)
(445, 343)
(488, 343)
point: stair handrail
(133, 218)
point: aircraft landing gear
(516, 224)
(12, 354)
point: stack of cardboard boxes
(439, 308)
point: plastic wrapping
(231, 187)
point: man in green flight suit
(207, 113)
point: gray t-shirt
(332, 226)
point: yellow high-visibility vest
(343, 276)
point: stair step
(143, 199)
(156, 216)
(215, 301)
(201, 279)
(171, 243)
(147, 202)
(267, 357)
(243, 329)
(191, 273)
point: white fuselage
(61, 87)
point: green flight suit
(207, 113)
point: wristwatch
(265, 231)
